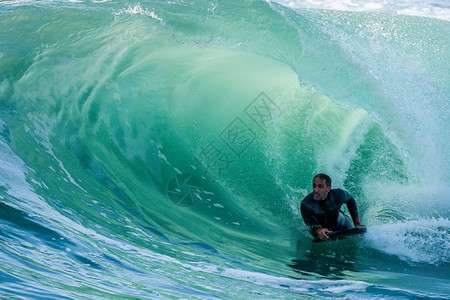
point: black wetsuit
(325, 214)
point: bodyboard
(335, 235)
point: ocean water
(160, 149)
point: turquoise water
(160, 150)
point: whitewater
(161, 149)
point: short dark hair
(324, 177)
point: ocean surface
(161, 149)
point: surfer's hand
(322, 233)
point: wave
(192, 129)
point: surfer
(321, 209)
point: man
(321, 209)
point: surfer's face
(320, 189)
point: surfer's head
(321, 186)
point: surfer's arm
(310, 220)
(353, 209)
(322, 233)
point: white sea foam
(138, 10)
(423, 240)
(433, 9)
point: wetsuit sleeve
(309, 219)
(353, 209)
